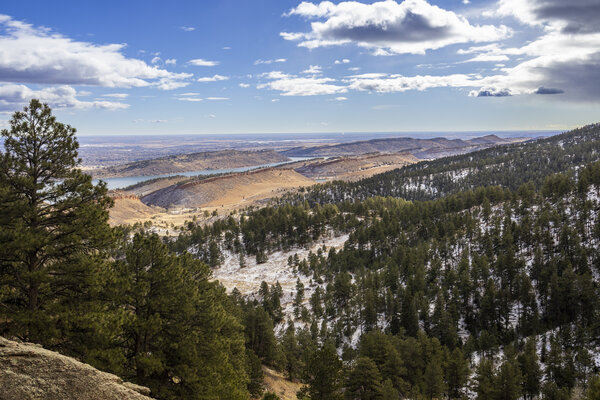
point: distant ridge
(421, 148)
(209, 160)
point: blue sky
(279, 66)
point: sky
(283, 66)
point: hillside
(211, 160)
(128, 209)
(350, 168)
(508, 166)
(234, 190)
(29, 372)
(420, 148)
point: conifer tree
(364, 381)
(54, 229)
(530, 369)
(323, 374)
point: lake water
(120, 183)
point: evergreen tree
(457, 373)
(177, 335)
(509, 379)
(530, 370)
(486, 380)
(323, 374)
(364, 381)
(593, 390)
(54, 233)
(433, 379)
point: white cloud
(277, 60)
(343, 61)
(169, 84)
(217, 98)
(291, 85)
(488, 58)
(388, 27)
(191, 99)
(382, 83)
(170, 61)
(213, 78)
(156, 60)
(244, 85)
(31, 54)
(274, 100)
(199, 62)
(14, 97)
(313, 70)
(227, 48)
(113, 95)
(187, 28)
(341, 98)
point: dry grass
(275, 382)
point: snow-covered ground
(248, 279)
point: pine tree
(323, 374)
(457, 373)
(178, 337)
(292, 353)
(54, 229)
(593, 390)
(433, 379)
(530, 369)
(509, 379)
(486, 380)
(364, 381)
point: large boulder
(28, 371)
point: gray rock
(28, 372)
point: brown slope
(356, 167)
(128, 209)
(27, 371)
(228, 190)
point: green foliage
(54, 233)
(593, 390)
(173, 314)
(323, 374)
(124, 304)
(364, 381)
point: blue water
(120, 183)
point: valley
(236, 179)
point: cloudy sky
(262, 66)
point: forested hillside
(490, 292)
(508, 166)
(475, 276)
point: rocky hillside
(212, 160)
(27, 371)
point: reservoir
(120, 183)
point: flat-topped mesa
(28, 371)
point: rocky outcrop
(28, 372)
